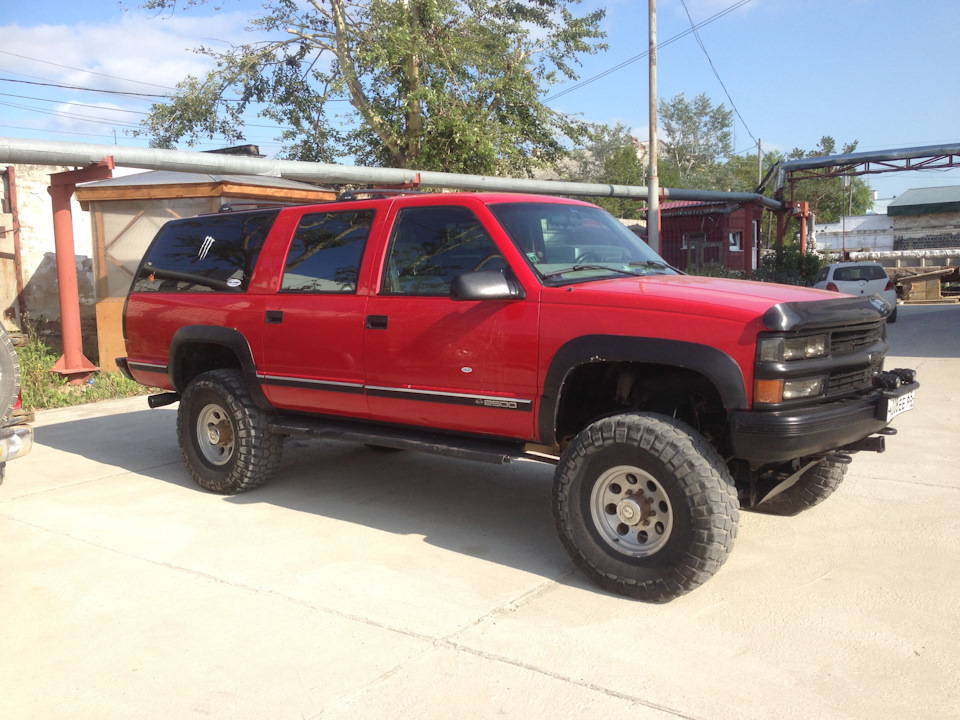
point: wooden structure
(127, 212)
(694, 234)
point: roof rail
(241, 207)
(378, 192)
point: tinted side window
(432, 245)
(205, 254)
(326, 252)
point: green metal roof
(924, 201)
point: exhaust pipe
(167, 398)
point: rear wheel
(892, 317)
(645, 506)
(224, 437)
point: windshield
(573, 243)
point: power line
(111, 109)
(717, 74)
(642, 55)
(71, 116)
(91, 72)
(132, 95)
(71, 102)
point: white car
(859, 278)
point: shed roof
(923, 201)
(168, 184)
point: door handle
(274, 317)
(377, 322)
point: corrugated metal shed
(923, 201)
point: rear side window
(326, 252)
(860, 272)
(210, 253)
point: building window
(736, 241)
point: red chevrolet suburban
(496, 327)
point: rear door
(432, 361)
(314, 323)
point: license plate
(901, 404)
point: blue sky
(882, 72)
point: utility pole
(653, 185)
(759, 161)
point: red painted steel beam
(72, 364)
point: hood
(689, 294)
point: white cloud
(133, 47)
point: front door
(436, 362)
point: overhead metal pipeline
(49, 152)
(858, 158)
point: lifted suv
(499, 327)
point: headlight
(777, 391)
(780, 349)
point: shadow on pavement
(501, 513)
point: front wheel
(645, 506)
(812, 487)
(224, 437)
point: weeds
(43, 389)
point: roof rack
(377, 192)
(241, 207)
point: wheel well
(196, 358)
(596, 390)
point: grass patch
(43, 389)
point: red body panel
(475, 367)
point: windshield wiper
(155, 272)
(574, 268)
(656, 264)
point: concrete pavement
(360, 584)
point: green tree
(611, 157)
(697, 140)
(426, 84)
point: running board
(497, 452)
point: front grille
(859, 338)
(847, 380)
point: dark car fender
(715, 365)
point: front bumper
(15, 441)
(762, 437)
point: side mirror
(485, 285)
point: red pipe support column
(72, 363)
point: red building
(695, 233)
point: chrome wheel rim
(215, 435)
(631, 511)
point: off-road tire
(224, 437)
(812, 488)
(676, 475)
(9, 377)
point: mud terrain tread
(698, 469)
(9, 377)
(813, 487)
(257, 451)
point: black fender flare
(230, 338)
(715, 365)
